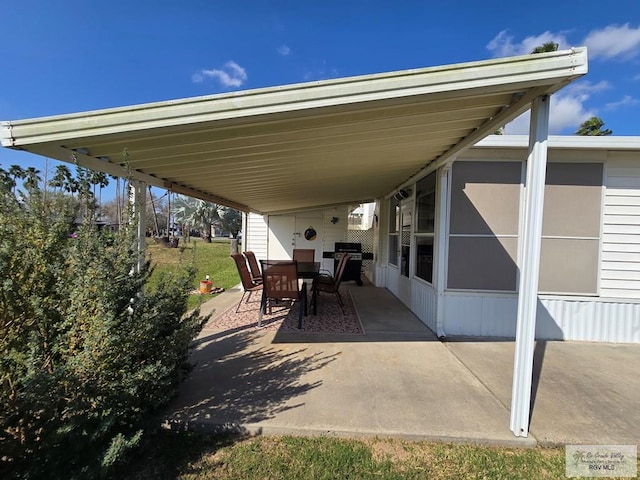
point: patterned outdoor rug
(284, 318)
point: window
(425, 226)
(394, 227)
(571, 228)
(483, 229)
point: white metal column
(138, 199)
(529, 267)
(441, 247)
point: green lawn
(209, 259)
(191, 456)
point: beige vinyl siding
(620, 274)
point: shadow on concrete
(239, 380)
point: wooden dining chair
(248, 284)
(304, 254)
(256, 275)
(331, 283)
(280, 282)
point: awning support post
(529, 267)
(441, 247)
(138, 199)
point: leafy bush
(85, 357)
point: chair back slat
(243, 271)
(341, 267)
(304, 254)
(280, 279)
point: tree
(195, 213)
(231, 220)
(61, 178)
(593, 127)
(85, 359)
(16, 172)
(546, 47)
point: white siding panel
(622, 192)
(621, 229)
(619, 219)
(393, 279)
(480, 315)
(631, 273)
(625, 239)
(632, 210)
(624, 200)
(619, 247)
(620, 268)
(423, 303)
(594, 321)
(256, 235)
(623, 172)
(620, 257)
(557, 318)
(623, 182)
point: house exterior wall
(620, 274)
(609, 311)
(256, 234)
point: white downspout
(529, 267)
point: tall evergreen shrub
(85, 357)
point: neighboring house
(450, 249)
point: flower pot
(205, 286)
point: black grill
(353, 268)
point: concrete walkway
(399, 380)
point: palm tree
(546, 47)
(195, 213)
(99, 179)
(593, 127)
(61, 178)
(17, 172)
(32, 179)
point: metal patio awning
(306, 145)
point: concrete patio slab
(399, 380)
(582, 392)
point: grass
(209, 259)
(192, 456)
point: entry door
(286, 232)
(304, 221)
(281, 237)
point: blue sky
(75, 55)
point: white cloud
(230, 75)
(502, 45)
(614, 41)
(284, 50)
(626, 101)
(567, 109)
